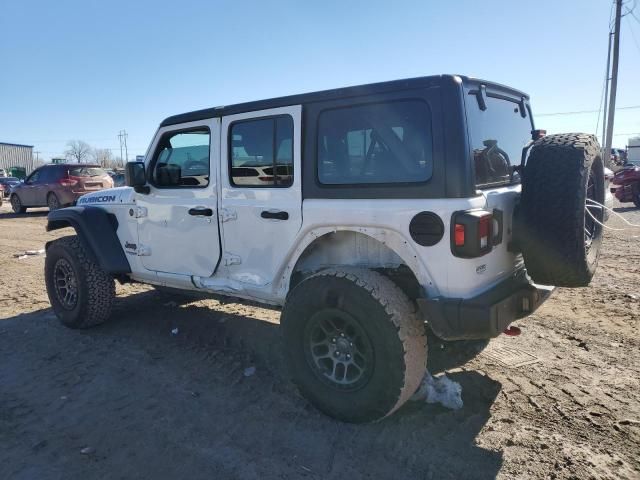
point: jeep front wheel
(355, 346)
(80, 292)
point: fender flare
(391, 238)
(96, 229)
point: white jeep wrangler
(370, 214)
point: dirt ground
(129, 399)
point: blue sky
(74, 69)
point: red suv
(57, 186)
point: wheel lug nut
(333, 340)
(348, 357)
(337, 354)
(342, 334)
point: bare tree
(78, 150)
(103, 157)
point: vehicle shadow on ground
(36, 213)
(194, 396)
(626, 209)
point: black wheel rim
(592, 211)
(338, 350)
(66, 285)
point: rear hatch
(499, 126)
(89, 178)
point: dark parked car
(6, 184)
(57, 186)
(118, 179)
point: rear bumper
(486, 315)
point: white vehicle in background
(371, 214)
(3, 173)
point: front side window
(375, 144)
(182, 159)
(497, 135)
(34, 177)
(261, 152)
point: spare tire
(561, 234)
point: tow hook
(512, 331)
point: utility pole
(122, 136)
(606, 98)
(126, 152)
(614, 83)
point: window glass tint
(262, 152)
(497, 135)
(182, 160)
(84, 171)
(47, 174)
(35, 176)
(379, 143)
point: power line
(578, 112)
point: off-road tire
(387, 317)
(16, 204)
(552, 209)
(53, 202)
(96, 289)
(636, 200)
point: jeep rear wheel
(562, 185)
(80, 292)
(16, 204)
(356, 348)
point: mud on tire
(369, 318)
(560, 240)
(81, 293)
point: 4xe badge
(481, 269)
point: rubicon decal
(100, 199)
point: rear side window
(375, 144)
(86, 172)
(497, 136)
(261, 152)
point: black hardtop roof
(323, 95)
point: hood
(110, 196)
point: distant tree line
(79, 151)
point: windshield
(497, 135)
(86, 172)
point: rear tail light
(472, 233)
(459, 235)
(484, 230)
(68, 181)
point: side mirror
(135, 176)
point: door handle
(275, 215)
(201, 212)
